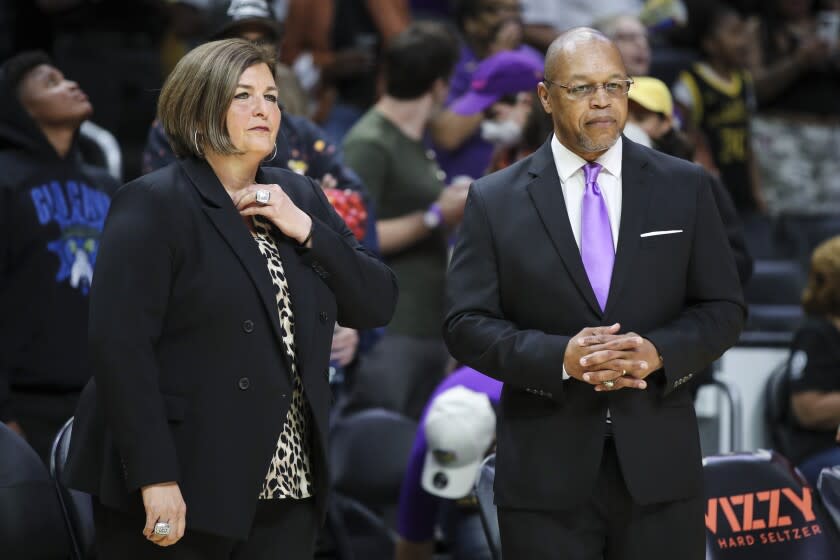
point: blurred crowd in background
(754, 82)
(395, 128)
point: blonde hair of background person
(822, 293)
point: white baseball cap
(460, 426)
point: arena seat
(773, 296)
(759, 507)
(801, 232)
(369, 453)
(487, 507)
(31, 524)
(76, 506)
(777, 413)
(828, 487)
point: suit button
(248, 326)
(282, 395)
(323, 316)
(244, 383)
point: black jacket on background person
(814, 364)
(191, 380)
(52, 211)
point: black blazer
(191, 382)
(517, 292)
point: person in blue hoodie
(52, 210)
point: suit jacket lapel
(635, 199)
(547, 195)
(219, 208)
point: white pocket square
(663, 232)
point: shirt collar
(568, 162)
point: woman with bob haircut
(814, 366)
(217, 287)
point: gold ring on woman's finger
(609, 383)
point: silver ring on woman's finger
(609, 383)
(162, 528)
(263, 196)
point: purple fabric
(596, 240)
(474, 155)
(504, 73)
(418, 509)
(472, 158)
(462, 76)
(467, 65)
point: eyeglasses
(614, 88)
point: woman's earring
(195, 141)
(274, 154)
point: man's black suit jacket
(517, 292)
(191, 382)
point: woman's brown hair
(195, 98)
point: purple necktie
(596, 240)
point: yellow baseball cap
(652, 94)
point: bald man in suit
(594, 279)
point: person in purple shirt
(501, 91)
(456, 430)
(487, 28)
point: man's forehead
(584, 59)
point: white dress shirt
(570, 170)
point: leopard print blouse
(289, 473)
